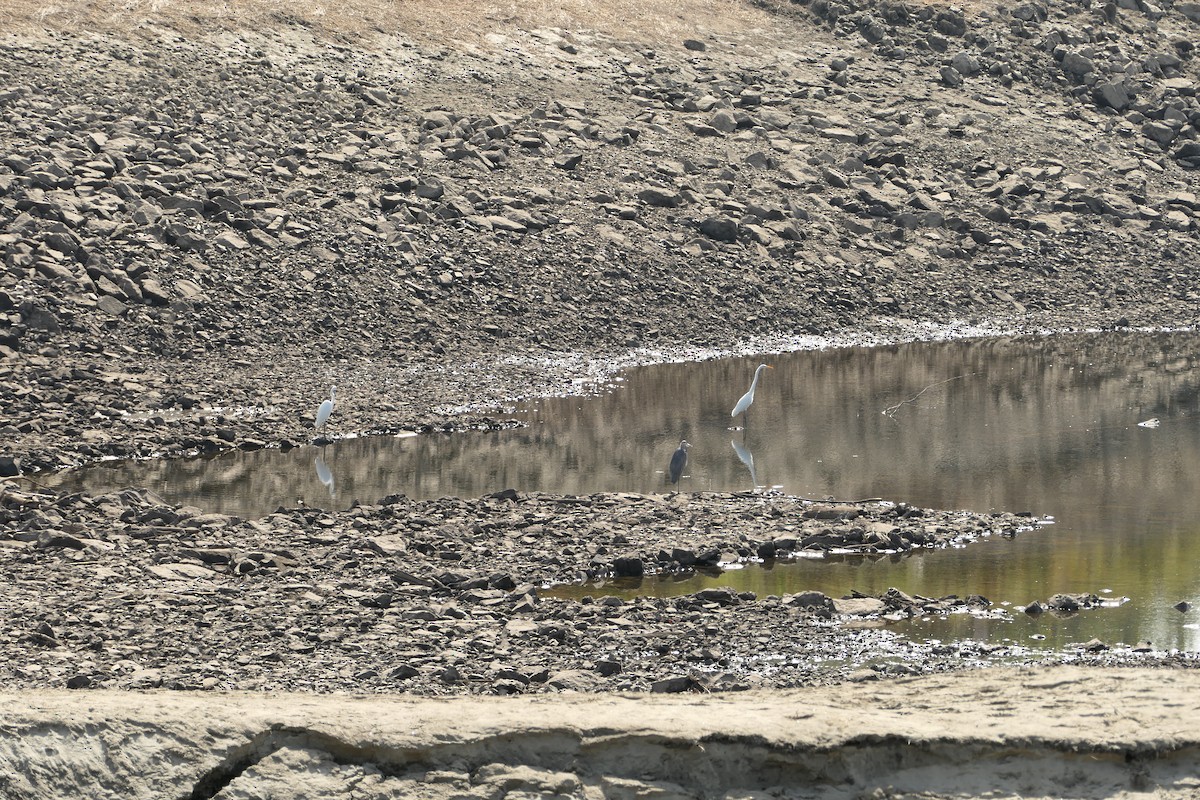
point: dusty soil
(206, 226)
(999, 734)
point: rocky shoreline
(449, 596)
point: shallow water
(1047, 425)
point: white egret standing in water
(326, 409)
(743, 405)
(679, 461)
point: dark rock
(37, 317)
(1077, 65)
(719, 227)
(1182, 606)
(49, 540)
(951, 77)
(1034, 608)
(504, 686)
(720, 595)
(695, 45)
(951, 22)
(502, 581)
(674, 685)
(685, 557)
(628, 567)
(723, 120)
(608, 667)
(811, 599)
(966, 64)
(569, 162)
(403, 672)
(661, 198)
(1188, 154)
(1112, 94)
(10, 466)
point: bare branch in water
(890, 411)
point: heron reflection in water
(325, 475)
(679, 461)
(746, 457)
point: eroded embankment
(999, 733)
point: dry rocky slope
(238, 220)
(200, 233)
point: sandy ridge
(1078, 733)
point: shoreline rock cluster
(448, 596)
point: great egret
(326, 409)
(744, 404)
(679, 461)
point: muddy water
(1048, 425)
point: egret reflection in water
(325, 475)
(746, 457)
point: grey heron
(679, 461)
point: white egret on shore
(326, 409)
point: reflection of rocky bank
(982, 734)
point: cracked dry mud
(207, 220)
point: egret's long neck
(754, 383)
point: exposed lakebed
(1097, 431)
